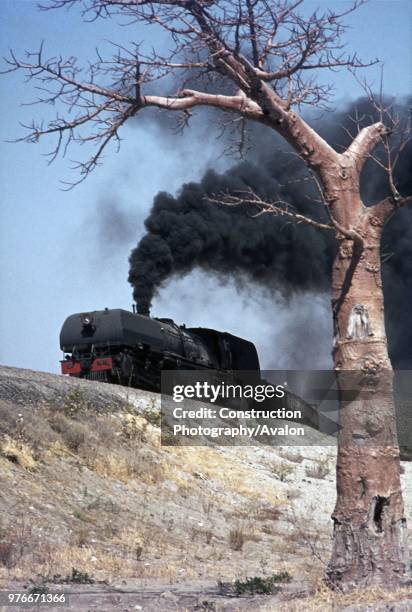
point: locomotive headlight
(86, 319)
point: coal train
(123, 347)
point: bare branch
(387, 207)
(275, 207)
(189, 98)
(254, 58)
(364, 143)
(393, 131)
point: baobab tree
(259, 61)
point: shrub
(261, 585)
(320, 470)
(152, 415)
(236, 538)
(282, 470)
(79, 577)
(134, 427)
(16, 541)
(103, 430)
(39, 587)
(74, 437)
(72, 432)
(75, 402)
(81, 536)
(6, 554)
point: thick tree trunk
(370, 545)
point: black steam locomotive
(122, 347)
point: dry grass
(7, 552)
(132, 521)
(113, 466)
(25, 553)
(311, 538)
(116, 446)
(327, 600)
(97, 540)
(16, 542)
(259, 512)
(103, 549)
(212, 464)
(81, 538)
(18, 452)
(98, 563)
(134, 542)
(236, 538)
(320, 470)
(111, 445)
(123, 466)
(290, 455)
(138, 429)
(73, 434)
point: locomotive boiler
(119, 346)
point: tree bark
(370, 536)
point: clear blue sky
(52, 263)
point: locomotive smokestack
(143, 310)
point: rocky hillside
(91, 504)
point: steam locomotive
(123, 347)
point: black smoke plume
(187, 231)
(113, 225)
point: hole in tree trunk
(380, 503)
